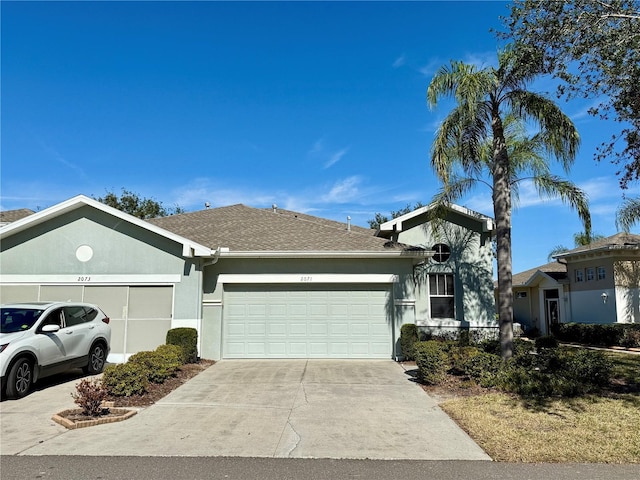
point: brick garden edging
(120, 415)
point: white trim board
(308, 278)
(88, 279)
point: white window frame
(444, 289)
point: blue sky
(318, 107)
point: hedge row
(606, 335)
(134, 376)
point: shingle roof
(554, 269)
(242, 228)
(614, 242)
(9, 216)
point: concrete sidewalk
(264, 408)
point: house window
(579, 275)
(602, 273)
(591, 274)
(441, 295)
(442, 252)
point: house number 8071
(306, 279)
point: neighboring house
(255, 283)
(598, 283)
(538, 297)
(9, 216)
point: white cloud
(343, 191)
(328, 157)
(336, 157)
(194, 195)
(400, 61)
(431, 67)
(482, 59)
(317, 147)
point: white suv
(44, 338)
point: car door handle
(69, 332)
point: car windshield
(18, 319)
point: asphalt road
(237, 468)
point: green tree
(374, 223)
(484, 136)
(132, 204)
(593, 47)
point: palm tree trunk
(502, 215)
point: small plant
(89, 396)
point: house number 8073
(84, 279)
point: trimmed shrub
(535, 383)
(89, 396)
(432, 361)
(630, 338)
(591, 368)
(187, 339)
(554, 372)
(604, 335)
(125, 379)
(172, 353)
(458, 358)
(158, 365)
(408, 338)
(483, 368)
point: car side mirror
(50, 328)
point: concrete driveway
(264, 408)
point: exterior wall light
(605, 297)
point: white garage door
(289, 321)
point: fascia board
(537, 277)
(189, 248)
(329, 254)
(396, 224)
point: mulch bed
(156, 391)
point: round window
(442, 252)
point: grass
(626, 366)
(592, 429)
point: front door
(552, 314)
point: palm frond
(553, 186)
(628, 214)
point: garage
(305, 321)
(140, 314)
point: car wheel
(20, 378)
(97, 359)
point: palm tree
(628, 214)
(484, 134)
